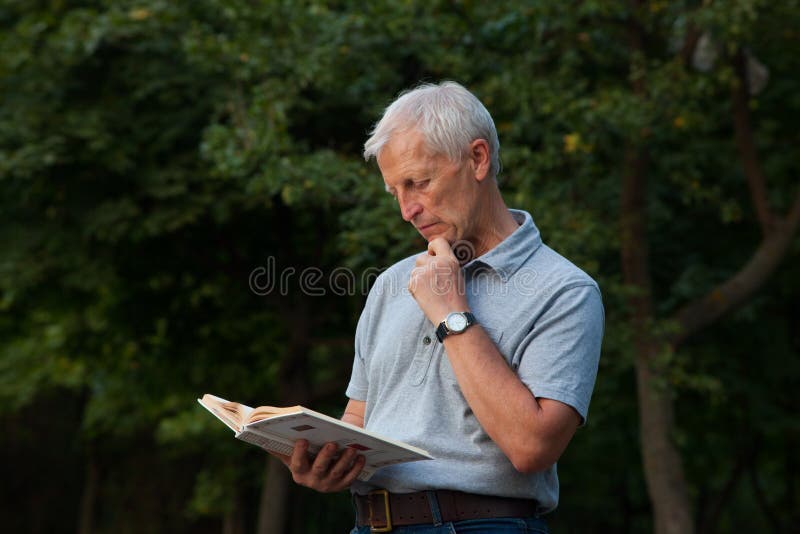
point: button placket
(422, 360)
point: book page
(266, 443)
(232, 414)
(265, 412)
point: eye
(422, 184)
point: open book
(276, 430)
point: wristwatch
(454, 323)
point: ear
(479, 158)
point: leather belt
(381, 510)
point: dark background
(155, 154)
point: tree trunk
(274, 504)
(233, 522)
(89, 497)
(294, 389)
(666, 482)
(663, 470)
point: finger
(298, 463)
(439, 247)
(324, 459)
(342, 465)
(414, 279)
(354, 471)
(416, 272)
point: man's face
(435, 194)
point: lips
(422, 229)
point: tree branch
(713, 511)
(768, 510)
(793, 217)
(756, 180)
(777, 232)
(738, 288)
(689, 44)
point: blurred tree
(162, 164)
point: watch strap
(441, 332)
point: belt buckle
(388, 527)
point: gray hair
(448, 116)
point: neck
(496, 223)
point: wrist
(445, 308)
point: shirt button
(426, 340)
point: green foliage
(153, 154)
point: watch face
(456, 322)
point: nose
(409, 207)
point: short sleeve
(562, 351)
(359, 385)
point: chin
(443, 233)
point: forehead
(405, 155)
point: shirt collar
(508, 256)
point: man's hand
(437, 283)
(327, 472)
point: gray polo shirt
(546, 317)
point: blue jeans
(473, 526)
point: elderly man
(482, 350)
